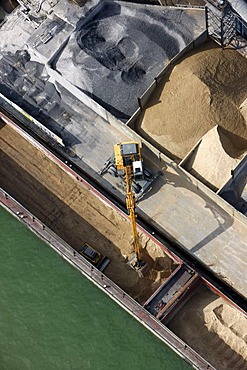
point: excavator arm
(127, 158)
(130, 204)
(128, 162)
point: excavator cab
(137, 170)
(128, 149)
(128, 154)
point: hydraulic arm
(130, 204)
(128, 163)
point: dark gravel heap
(116, 55)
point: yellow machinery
(128, 163)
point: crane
(128, 162)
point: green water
(51, 317)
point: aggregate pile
(221, 154)
(76, 214)
(206, 88)
(115, 56)
(214, 329)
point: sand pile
(213, 328)
(204, 89)
(76, 215)
(214, 158)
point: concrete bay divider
(214, 196)
(240, 171)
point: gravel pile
(116, 55)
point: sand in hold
(214, 329)
(205, 88)
(221, 158)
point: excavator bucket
(140, 267)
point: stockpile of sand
(243, 109)
(205, 89)
(214, 158)
(214, 329)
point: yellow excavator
(128, 162)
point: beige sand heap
(214, 158)
(206, 88)
(214, 329)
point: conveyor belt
(202, 270)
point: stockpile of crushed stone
(206, 88)
(214, 329)
(116, 55)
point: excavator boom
(130, 204)
(128, 163)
